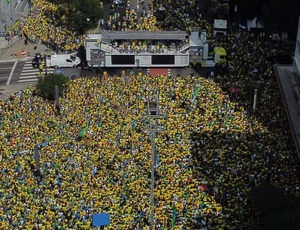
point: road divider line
(11, 72)
(27, 80)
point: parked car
(36, 61)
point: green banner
(195, 94)
(174, 215)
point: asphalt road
(22, 72)
(5, 69)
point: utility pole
(1, 119)
(36, 157)
(56, 95)
(153, 114)
(45, 61)
(255, 100)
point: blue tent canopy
(59, 71)
(100, 219)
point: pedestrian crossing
(30, 74)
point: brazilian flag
(82, 132)
(133, 123)
(174, 215)
(50, 123)
(195, 94)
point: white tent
(220, 26)
(254, 24)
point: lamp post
(45, 61)
(1, 120)
(153, 116)
(255, 100)
(36, 157)
(56, 95)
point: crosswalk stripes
(30, 74)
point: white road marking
(31, 76)
(34, 70)
(11, 72)
(27, 80)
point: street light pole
(36, 157)
(152, 180)
(56, 95)
(45, 61)
(255, 100)
(153, 116)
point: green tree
(277, 210)
(248, 9)
(79, 15)
(46, 85)
(277, 15)
(281, 15)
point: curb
(13, 41)
(16, 59)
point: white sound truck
(151, 49)
(63, 60)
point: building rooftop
(140, 35)
(291, 98)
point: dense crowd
(144, 46)
(247, 159)
(132, 19)
(208, 140)
(107, 170)
(95, 157)
(42, 25)
(181, 15)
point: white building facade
(296, 66)
(10, 11)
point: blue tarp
(59, 71)
(100, 219)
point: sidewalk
(8, 55)
(7, 90)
